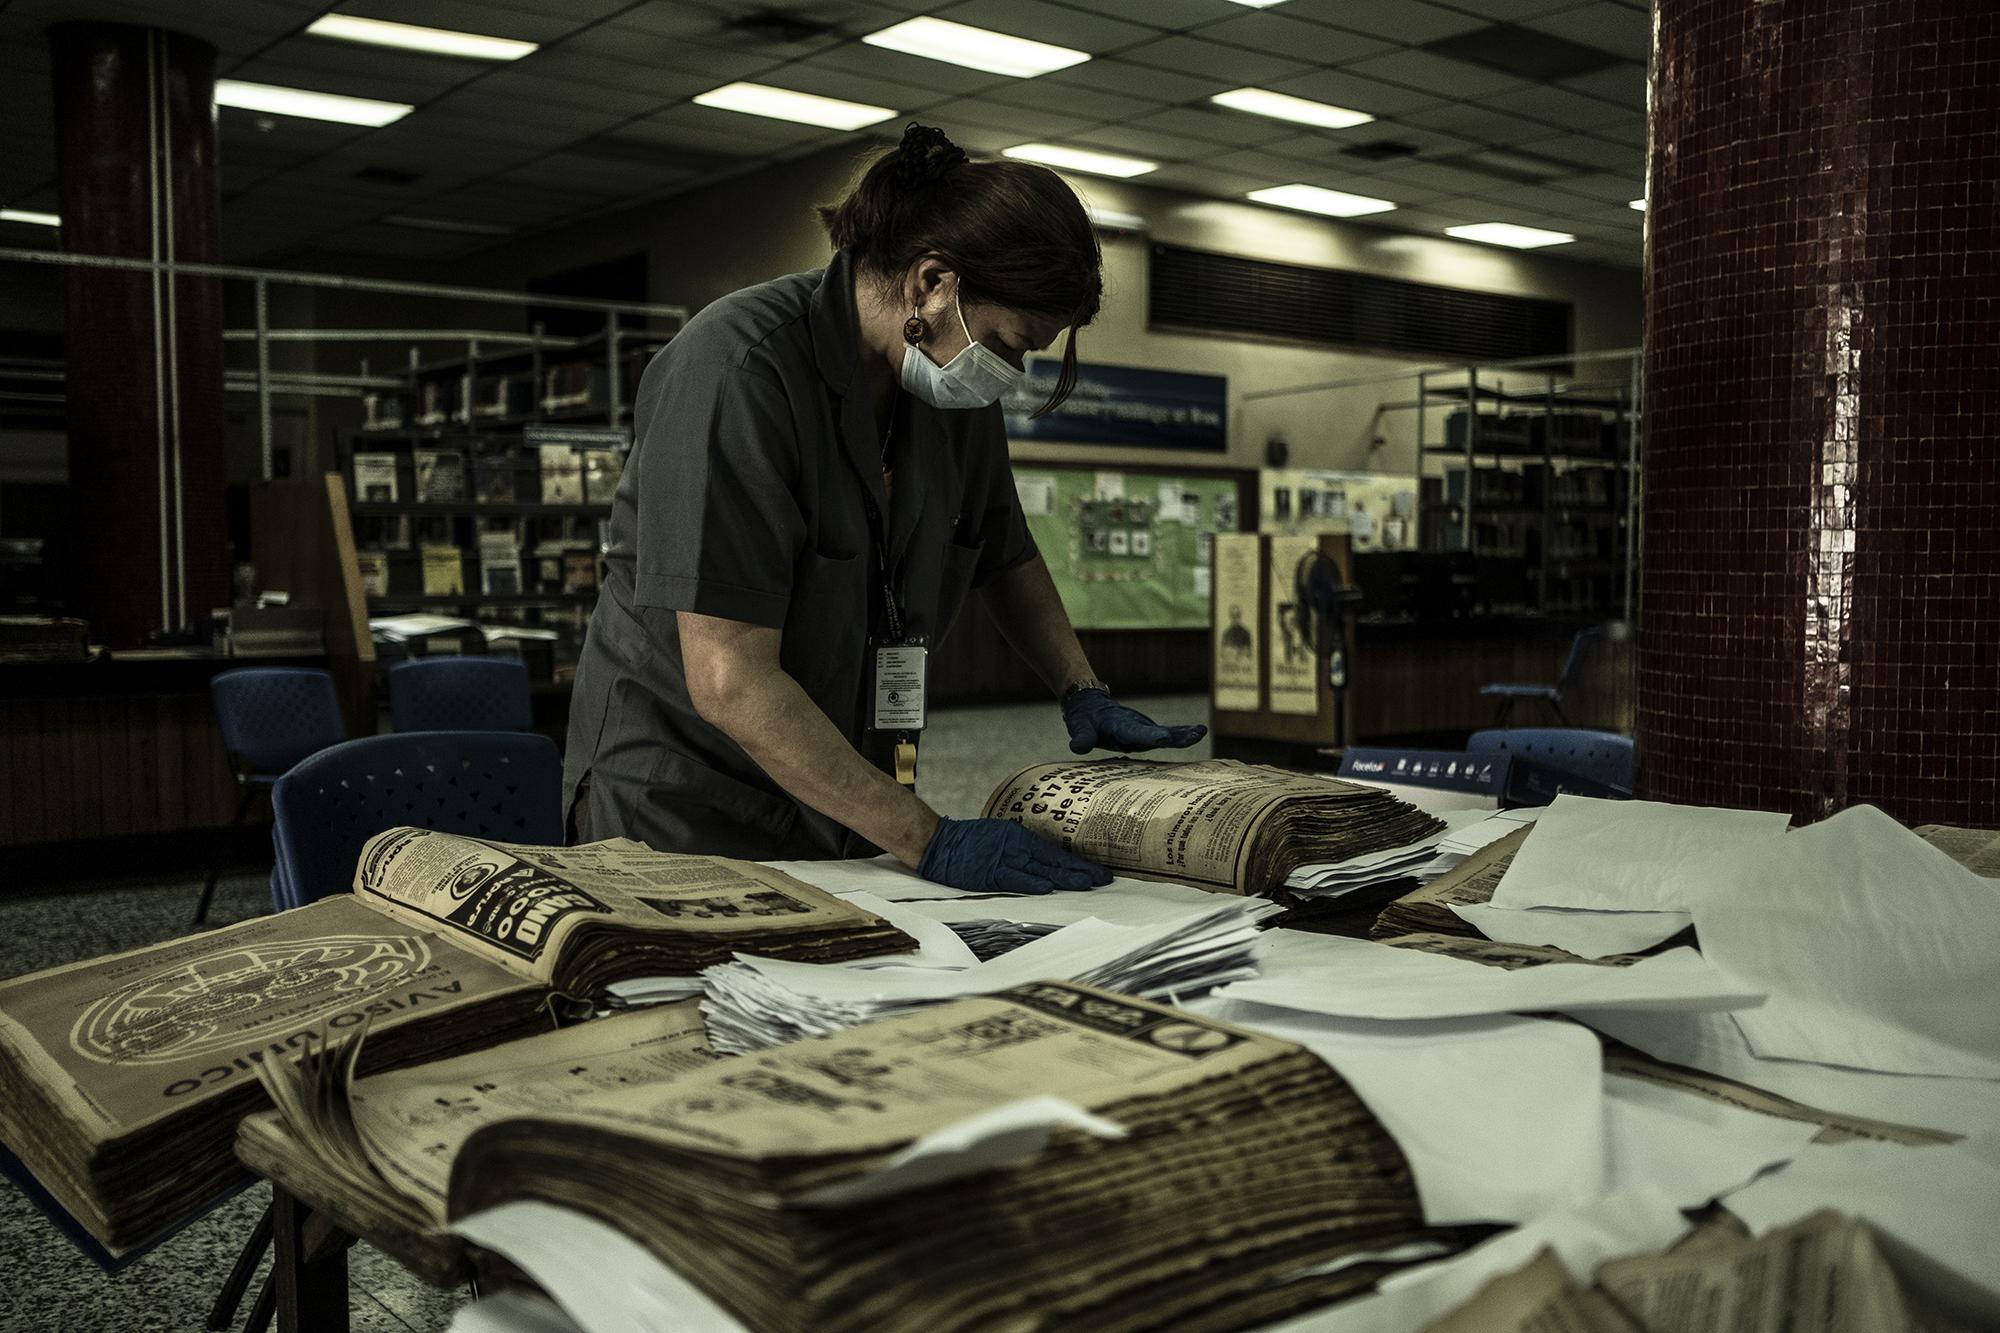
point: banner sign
(1122, 405)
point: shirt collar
(836, 328)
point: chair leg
(1561, 716)
(265, 1307)
(222, 850)
(223, 1313)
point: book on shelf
(444, 571)
(838, 1183)
(431, 396)
(568, 384)
(122, 1079)
(493, 474)
(579, 571)
(562, 474)
(499, 562)
(602, 469)
(1218, 824)
(374, 566)
(375, 478)
(440, 475)
(388, 532)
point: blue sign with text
(1123, 405)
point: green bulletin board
(1129, 550)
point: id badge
(899, 686)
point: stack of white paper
(1465, 832)
(758, 1002)
(1629, 856)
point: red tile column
(136, 163)
(1820, 608)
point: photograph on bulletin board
(1129, 550)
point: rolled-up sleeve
(719, 526)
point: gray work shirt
(743, 499)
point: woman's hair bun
(924, 156)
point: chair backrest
(504, 785)
(272, 717)
(1579, 652)
(460, 694)
(1603, 756)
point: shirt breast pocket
(955, 571)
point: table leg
(309, 1266)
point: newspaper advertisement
(1295, 673)
(1195, 823)
(138, 1035)
(412, 1122)
(881, 1085)
(1235, 623)
(519, 904)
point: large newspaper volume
(125, 1076)
(1427, 909)
(122, 1079)
(1977, 849)
(1219, 824)
(1053, 1155)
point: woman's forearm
(1024, 604)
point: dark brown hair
(1015, 233)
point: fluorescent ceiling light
(1312, 199)
(1113, 219)
(310, 105)
(1639, 204)
(449, 224)
(1260, 4)
(1507, 234)
(1301, 110)
(758, 99)
(1078, 159)
(975, 48)
(29, 216)
(409, 37)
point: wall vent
(1200, 291)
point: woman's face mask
(976, 377)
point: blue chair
(503, 785)
(271, 718)
(1510, 693)
(460, 694)
(1602, 756)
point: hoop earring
(915, 330)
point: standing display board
(1130, 550)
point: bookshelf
(1535, 478)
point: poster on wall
(1122, 405)
(1294, 668)
(1128, 550)
(1236, 627)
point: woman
(818, 479)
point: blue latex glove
(998, 855)
(1096, 721)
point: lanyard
(892, 611)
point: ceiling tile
(1608, 27)
(1171, 15)
(1437, 75)
(1557, 106)
(234, 125)
(1024, 121)
(1438, 176)
(820, 79)
(1508, 11)
(898, 74)
(557, 97)
(1142, 81)
(1477, 122)
(1070, 99)
(305, 63)
(1342, 88)
(1041, 22)
(1145, 143)
(1210, 180)
(713, 64)
(1585, 151)
(463, 16)
(1409, 22)
(498, 107)
(575, 66)
(577, 11)
(1278, 34)
(1214, 126)
(1213, 60)
(1623, 83)
(1613, 187)
(462, 120)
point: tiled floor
(48, 1286)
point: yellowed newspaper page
(124, 1040)
(1294, 684)
(851, 1094)
(1237, 622)
(517, 904)
(1192, 823)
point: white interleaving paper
(1362, 979)
(1585, 934)
(1877, 949)
(602, 1278)
(1502, 1119)
(1689, 1147)
(513, 1311)
(996, 1137)
(1938, 1209)
(1628, 856)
